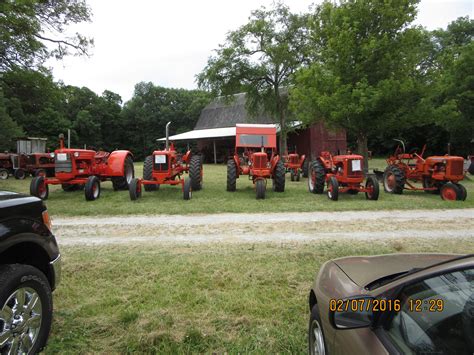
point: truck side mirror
(352, 313)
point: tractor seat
(101, 154)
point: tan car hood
(365, 269)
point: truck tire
(3, 174)
(333, 188)
(135, 189)
(92, 189)
(122, 182)
(231, 175)
(393, 180)
(316, 340)
(316, 177)
(25, 287)
(260, 189)
(187, 189)
(279, 176)
(19, 174)
(38, 188)
(195, 172)
(373, 183)
(148, 173)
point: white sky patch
(168, 43)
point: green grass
(199, 298)
(215, 199)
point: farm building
(214, 132)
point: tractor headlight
(76, 154)
(51, 155)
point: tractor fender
(275, 161)
(237, 165)
(186, 157)
(302, 158)
(116, 161)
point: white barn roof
(203, 133)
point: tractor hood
(364, 270)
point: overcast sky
(169, 42)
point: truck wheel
(463, 191)
(19, 174)
(279, 176)
(450, 192)
(122, 182)
(316, 341)
(333, 189)
(148, 173)
(231, 175)
(38, 188)
(3, 174)
(195, 172)
(373, 185)
(316, 177)
(92, 189)
(187, 190)
(135, 189)
(393, 180)
(305, 168)
(260, 189)
(26, 304)
(40, 172)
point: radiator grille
(260, 161)
(457, 167)
(63, 166)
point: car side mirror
(352, 313)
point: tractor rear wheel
(260, 189)
(122, 182)
(148, 173)
(195, 172)
(71, 187)
(316, 177)
(135, 189)
(463, 192)
(393, 180)
(279, 176)
(372, 184)
(38, 188)
(3, 174)
(231, 175)
(305, 168)
(333, 188)
(187, 189)
(92, 189)
(451, 192)
(19, 174)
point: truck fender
(116, 161)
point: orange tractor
(341, 174)
(295, 165)
(166, 167)
(256, 156)
(76, 169)
(438, 174)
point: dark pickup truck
(30, 269)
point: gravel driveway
(265, 227)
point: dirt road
(265, 227)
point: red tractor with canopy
(341, 174)
(438, 174)
(166, 167)
(76, 169)
(256, 156)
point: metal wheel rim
(95, 189)
(390, 182)
(20, 321)
(42, 190)
(317, 339)
(129, 174)
(3, 175)
(311, 182)
(449, 194)
(330, 189)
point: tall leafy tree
(9, 128)
(31, 31)
(260, 59)
(365, 71)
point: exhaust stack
(167, 135)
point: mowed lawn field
(204, 298)
(214, 198)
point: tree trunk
(363, 150)
(282, 143)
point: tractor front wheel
(135, 189)
(279, 177)
(333, 188)
(260, 189)
(92, 189)
(19, 174)
(231, 175)
(39, 188)
(316, 177)
(122, 182)
(148, 173)
(195, 172)
(3, 174)
(298, 175)
(463, 192)
(187, 190)
(393, 180)
(372, 185)
(292, 175)
(451, 192)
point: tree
(31, 31)
(260, 59)
(9, 128)
(365, 72)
